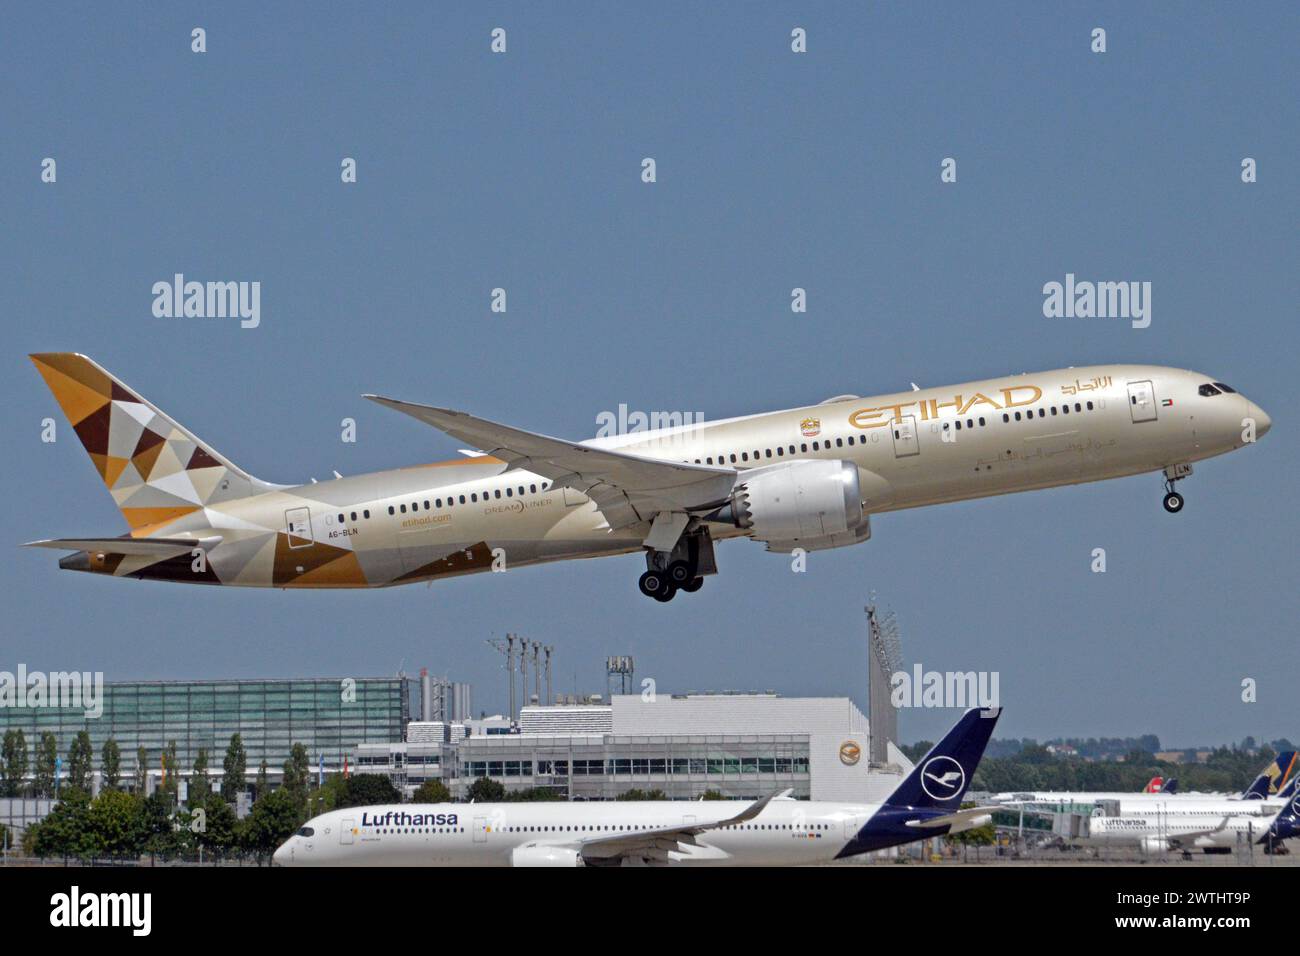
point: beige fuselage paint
(898, 446)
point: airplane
(1268, 793)
(807, 478)
(775, 830)
(1155, 831)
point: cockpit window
(306, 831)
(1208, 389)
(1225, 388)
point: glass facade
(327, 716)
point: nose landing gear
(1173, 500)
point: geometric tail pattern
(155, 469)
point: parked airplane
(775, 830)
(1268, 793)
(805, 478)
(1170, 827)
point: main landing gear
(1173, 500)
(681, 569)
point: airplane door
(297, 524)
(1141, 401)
(345, 832)
(480, 829)
(905, 441)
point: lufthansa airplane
(806, 478)
(773, 831)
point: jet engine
(802, 504)
(1153, 844)
(545, 856)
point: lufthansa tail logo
(942, 778)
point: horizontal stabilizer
(135, 547)
(961, 820)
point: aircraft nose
(284, 855)
(1262, 422)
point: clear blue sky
(775, 170)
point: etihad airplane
(808, 478)
(773, 831)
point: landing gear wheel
(693, 585)
(651, 583)
(680, 573)
(1173, 502)
(667, 594)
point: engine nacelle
(807, 504)
(545, 856)
(1153, 844)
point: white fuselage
(910, 449)
(1157, 828)
(786, 832)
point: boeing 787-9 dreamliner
(808, 478)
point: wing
(628, 489)
(134, 547)
(657, 844)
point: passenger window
(510, 492)
(366, 513)
(473, 496)
(354, 516)
(1005, 418)
(769, 453)
(496, 493)
(426, 504)
(438, 502)
(1017, 416)
(981, 421)
(390, 510)
(803, 448)
(744, 456)
(850, 439)
(533, 489)
(780, 451)
(733, 457)
(403, 507)
(1090, 406)
(1078, 407)
(839, 443)
(340, 517)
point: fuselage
(786, 832)
(911, 449)
(1160, 827)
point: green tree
(274, 818)
(368, 789)
(14, 752)
(712, 795)
(432, 791)
(141, 772)
(533, 795)
(486, 790)
(297, 775)
(171, 770)
(158, 828)
(81, 762)
(66, 831)
(110, 764)
(262, 784)
(200, 787)
(47, 755)
(637, 794)
(234, 767)
(116, 819)
(219, 833)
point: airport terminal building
(739, 745)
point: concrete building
(739, 745)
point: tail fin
(942, 777)
(1154, 785)
(1275, 778)
(1170, 785)
(156, 470)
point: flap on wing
(626, 488)
(136, 547)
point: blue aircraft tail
(1170, 785)
(922, 805)
(1276, 777)
(941, 778)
